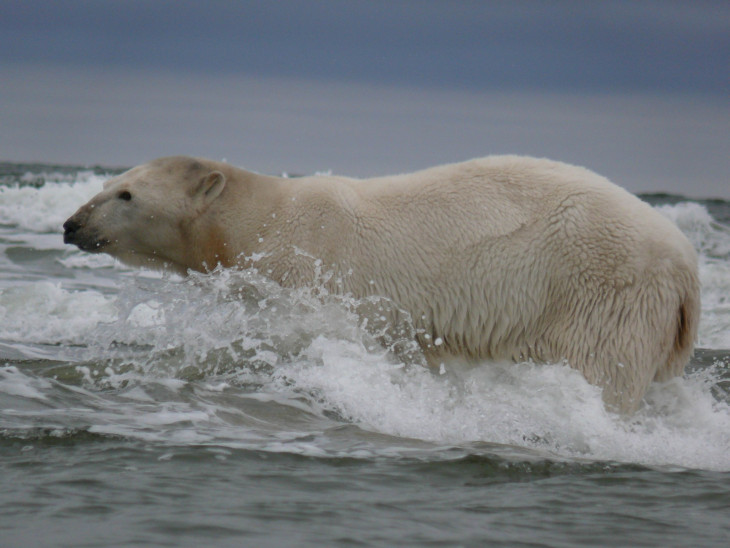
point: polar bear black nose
(70, 228)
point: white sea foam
(45, 209)
(712, 242)
(548, 408)
(14, 382)
(211, 340)
(221, 388)
(78, 260)
(45, 313)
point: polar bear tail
(687, 320)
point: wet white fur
(502, 257)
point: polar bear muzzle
(77, 232)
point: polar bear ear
(210, 186)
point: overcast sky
(637, 90)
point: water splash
(230, 359)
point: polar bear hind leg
(645, 333)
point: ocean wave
(229, 359)
(43, 207)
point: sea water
(145, 409)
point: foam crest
(209, 324)
(14, 383)
(45, 313)
(710, 238)
(712, 242)
(45, 208)
(548, 408)
(232, 359)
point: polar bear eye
(124, 195)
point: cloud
(635, 90)
(461, 44)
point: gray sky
(639, 91)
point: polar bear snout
(76, 232)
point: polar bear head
(143, 216)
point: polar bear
(503, 257)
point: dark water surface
(219, 410)
(89, 491)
